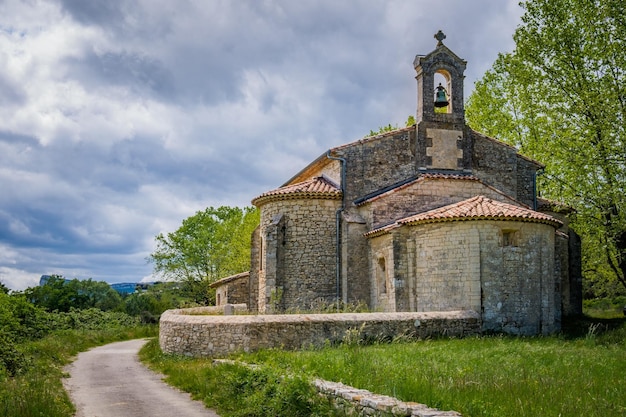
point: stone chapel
(431, 217)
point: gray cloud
(119, 119)
(143, 75)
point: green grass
(581, 372)
(605, 308)
(236, 390)
(37, 390)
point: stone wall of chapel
(332, 171)
(426, 195)
(568, 255)
(403, 248)
(253, 283)
(469, 265)
(382, 274)
(495, 164)
(355, 272)
(307, 265)
(526, 172)
(519, 280)
(377, 162)
(446, 266)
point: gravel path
(109, 381)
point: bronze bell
(441, 97)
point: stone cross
(440, 36)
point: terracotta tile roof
(318, 187)
(475, 208)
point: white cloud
(17, 279)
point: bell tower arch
(440, 73)
(443, 140)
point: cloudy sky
(120, 118)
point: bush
(94, 319)
(12, 359)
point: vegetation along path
(109, 381)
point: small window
(509, 238)
(382, 276)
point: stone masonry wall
(359, 402)
(526, 172)
(305, 272)
(376, 162)
(495, 164)
(234, 292)
(382, 274)
(446, 266)
(355, 286)
(518, 279)
(255, 259)
(215, 336)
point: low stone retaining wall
(213, 336)
(359, 402)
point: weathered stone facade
(298, 248)
(431, 217)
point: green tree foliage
(59, 294)
(209, 245)
(560, 97)
(161, 296)
(100, 295)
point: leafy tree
(209, 245)
(100, 295)
(161, 296)
(57, 294)
(60, 294)
(560, 97)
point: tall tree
(560, 97)
(209, 245)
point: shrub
(12, 359)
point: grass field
(580, 372)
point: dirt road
(109, 381)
